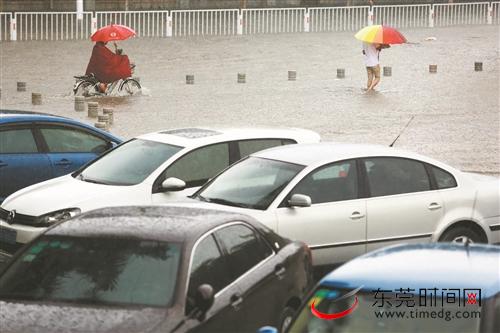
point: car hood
(33, 317)
(68, 192)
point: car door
(259, 273)
(69, 148)
(402, 206)
(21, 162)
(209, 266)
(195, 168)
(334, 226)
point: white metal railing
(460, 13)
(5, 22)
(204, 22)
(145, 23)
(495, 12)
(52, 26)
(402, 16)
(272, 20)
(68, 25)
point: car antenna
(407, 124)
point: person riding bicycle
(107, 66)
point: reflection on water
(456, 109)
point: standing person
(371, 53)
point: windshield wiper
(88, 180)
(226, 202)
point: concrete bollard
(242, 78)
(189, 79)
(292, 75)
(92, 109)
(103, 119)
(478, 66)
(36, 98)
(102, 126)
(21, 86)
(79, 103)
(433, 68)
(340, 73)
(387, 71)
(108, 112)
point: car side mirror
(203, 299)
(300, 200)
(173, 184)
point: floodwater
(452, 115)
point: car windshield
(128, 164)
(399, 310)
(252, 183)
(99, 271)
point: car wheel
(286, 318)
(461, 235)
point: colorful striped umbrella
(380, 34)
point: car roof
(162, 223)
(200, 136)
(17, 116)
(416, 266)
(324, 152)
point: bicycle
(88, 85)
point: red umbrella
(112, 32)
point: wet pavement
(456, 115)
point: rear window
(107, 271)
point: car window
(389, 175)
(94, 270)
(207, 266)
(443, 179)
(248, 147)
(17, 141)
(196, 167)
(129, 163)
(334, 182)
(66, 140)
(244, 248)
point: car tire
(286, 318)
(460, 235)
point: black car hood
(21, 317)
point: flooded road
(456, 116)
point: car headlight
(58, 216)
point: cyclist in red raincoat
(107, 66)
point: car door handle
(434, 206)
(64, 162)
(280, 271)
(357, 216)
(236, 300)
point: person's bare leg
(374, 83)
(370, 79)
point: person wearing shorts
(371, 53)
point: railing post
(169, 24)
(94, 23)
(490, 13)
(13, 27)
(306, 20)
(431, 17)
(370, 16)
(239, 29)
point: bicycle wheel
(84, 88)
(130, 86)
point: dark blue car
(35, 147)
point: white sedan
(150, 169)
(345, 199)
